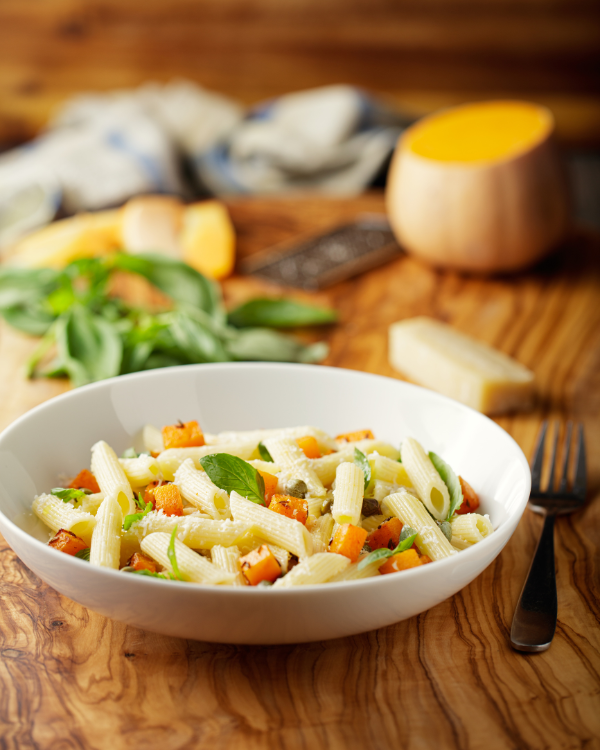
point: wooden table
(447, 678)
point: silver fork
(534, 621)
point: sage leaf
(279, 313)
(263, 452)
(231, 473)
(450, 480)
(363, 463)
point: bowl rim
(268, 591)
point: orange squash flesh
(402, 561)
(149, 493)
(354, 437)
(470, 501)
(309, 446)
(168, 499)
(386, 535)
(295, 508)
(183, 435)
(85, 480)
(67, 542)
(270, 481)
(348, 540)
(260, 565)
(140, 561)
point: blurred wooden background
(421, 53)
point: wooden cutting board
(447, 678)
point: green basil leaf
(450, 480)
(183, 284)
(172, 556)
(66, 494)
(231, 473)
(378, 554)
(406, 532)
(83, 554)
(262, 344)
(131, 518)
(263, 452)
(405, 543)
(129, 453)
(363, 463)
(279, 313)
(22, 286)
(195, 341)
(89, 348)
(144, 572)
(32, 318)
(446, 529)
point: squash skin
(483, 217)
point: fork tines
(579, 483)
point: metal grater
(326, 259)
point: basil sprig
(231, 473)
(172, 555)
(68, 493)
(450, 480)
(363, 463)
(94, 335)
(263, 452)
(407, 538)
(279, 313)
(144, 572)
(145, 508)
(83, 554)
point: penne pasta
(58, 515)
(111, 477)
(192, 566)
(153, 439)
(470, 528)
(295, 465)
(321, 530)
(428, 484)
(348, 494)
(196, 487)
(316, 569)
(227, 558)
(140, 471)
(105, 549)
(171, 459)
(274, 528)
(411, 511)
(197, 533)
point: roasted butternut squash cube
(354, 437)
(470, 501)
(85, 480)
(67, 542)
(149, 493)
(183, 435)
(270, 481)
(348, 540)
(309, 446)
(402, 561)
(168, 499)
(140, 561)
(386, 535)
(290, 506)
(260, 565)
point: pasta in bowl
(267, 535)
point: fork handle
(534, 622)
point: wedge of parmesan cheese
(438, 357)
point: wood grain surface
(424, 54)
(448, 678)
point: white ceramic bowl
(55, 438)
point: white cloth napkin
(101, 149)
